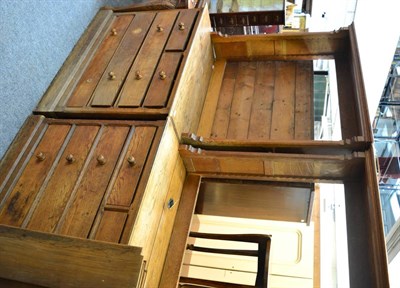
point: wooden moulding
(366, 242)
(358, 84)
(288, 46)
(353, 106)
(191, 90)
(265, 166)
(76, 62)
(53, 261)
(152, 228)
(341, 147)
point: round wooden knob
(159, 28)
(181, 26)
(114, 32)
(101, 160)
(40, 156)
(138, 75)
(131, 160)
(70, 158)
(163, 75)
(111, 75)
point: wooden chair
(264, 245)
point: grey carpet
(35, 39)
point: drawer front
(119, 73)
(139, 77)
(181, 31)
(81, 178)
(163, 79)
(80, 97)
(116, 71)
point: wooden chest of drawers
(129, 65)
(111, 164)
(104, 165)
(80, 178)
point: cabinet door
(79, 178)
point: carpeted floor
(36, 37)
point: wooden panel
(242, 101)
(378, 240)
(282, 126)
(287, 46)
(134, 90)
(223, 112)
(128, 177)
(350, 126)
(76, 61)
(180, 33)
(254, 96)
(111, 226)
(58, 191)
(90, 78)
(157, 259)
(108, 88)
(25, 190)
(304, 107)
(49, 260)
(256, 201)
(190, 90)
(261, 113)
(271, 165)
(180, 232)
(163, 79)
(211, 101)
(80, 215)
(316, 219)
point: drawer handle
(181, 26)
(111, 75)
(40, 156)
(114, 32)
(101, 160)
(131, 160)
(159, 28)
(163, 75)
(138, 75)
(70, 158)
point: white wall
(377, 26)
